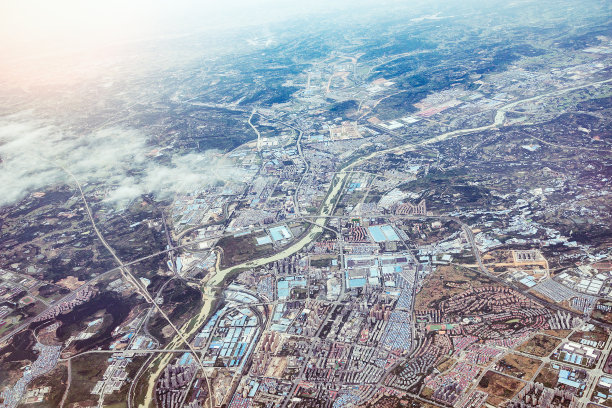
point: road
(65, 298)
(298, 378)
(298, 144)
(296, 203)
(595, 374)
(565, 147)
(131, 279)
(171, 254)
(68, 382)
(141, 370)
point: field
(601, 312)
(539, 345)
(446, 364)
(604, 391)
(118, 397)
(427, 392)
(391, 401)
(548, 376)
(322, 261)
(518, 366)
(598, 334)
(499, 387)
(560, 333)
(491, 260)
(240, 249)
(445, 282)
(180, 300)
(87, 370)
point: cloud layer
(117, 158)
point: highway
(130, 278)
(500, 118)
(296, 203)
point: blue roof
(389, 233)
(279, 233)
(377, 234)
(357, 283)
(569, 382)
(185, 359)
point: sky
(34, 28)
(46, 40)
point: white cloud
(32, 152)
